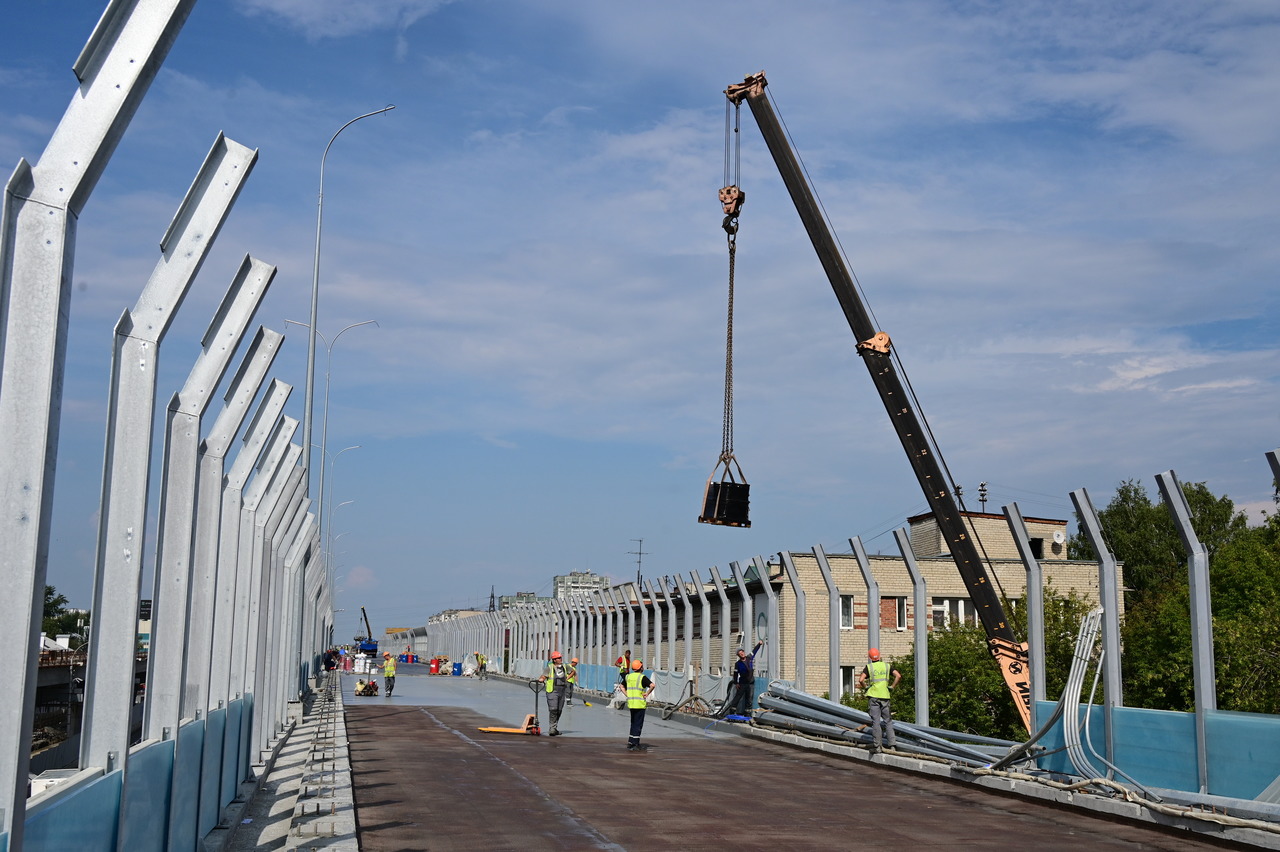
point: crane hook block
(732, 199)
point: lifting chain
(731, 200)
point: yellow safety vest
(878, 675)
(571, 673)
(551, 678)
(635, 691)
(389, 667)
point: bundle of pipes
(789, 708)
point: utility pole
(638, 553)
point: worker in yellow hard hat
(876, 673)
(389, 671)
(639, 688)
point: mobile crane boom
(874, 348)
(367, 643)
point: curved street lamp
(324, 424)
(315, 296)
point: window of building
(846, 612)
(949, 611)
(900, 608)
(1037, 548)
(848, 677)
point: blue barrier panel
(1053, 741)
(1155, 747)
(231, 748)
(4, 842)
(211, 771)
(86, 819)
(1244, 752)
(186, 787)
(145, 809)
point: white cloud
(318, 19)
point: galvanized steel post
(726, 620)
(1108, 596)
(789, 566)
(873, 592)
(41, 207)
(1202, 659)
(171, 597)
(109, 671)
(773, 655)
(205, 591)
(1035, 605)
(920, 603)
(833, 624)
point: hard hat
(556, 655)
(636, 665)
(873, 653)
(574, 660)
(386, 653)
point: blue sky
(1064, 216)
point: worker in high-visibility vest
(571, 678)
(639, 688)
(482, 666)
(389, 671)
(875, 677)
(555, 677)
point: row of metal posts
(596, 625)
(240, 603)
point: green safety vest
(878, 675)
(571, 673)
(551, 677)
(635, 691)
(389, 667)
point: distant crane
(366, 644)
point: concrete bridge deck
(424, 778)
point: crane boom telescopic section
(874, 348)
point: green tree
(966, 689)
(1244, 584)
(57, 618)
(1142, 536)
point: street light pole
(315, 303)
(324, 424)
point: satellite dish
(1059, 536)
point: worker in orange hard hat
(877, 673)
(555, 677)
(571, 679)
(639, 688)
(389, 671)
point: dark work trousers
(555, 705)
(637, 724)
(744, 698)
(390, 683)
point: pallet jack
(530, 725)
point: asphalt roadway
(427, 780)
